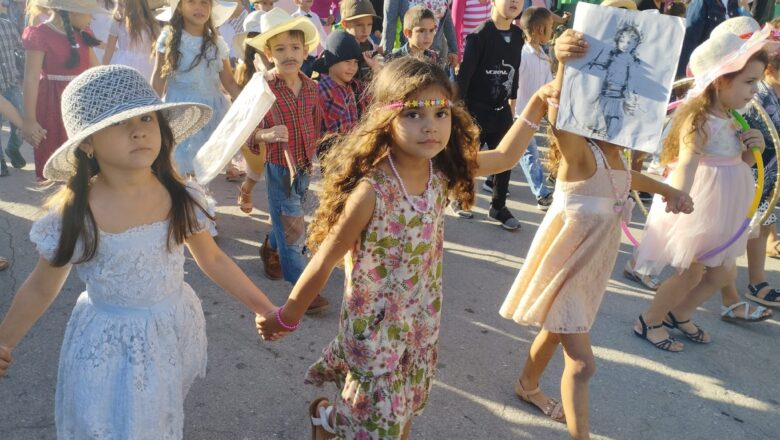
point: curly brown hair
(172, 43)
(355, 154)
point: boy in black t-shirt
(487, 81)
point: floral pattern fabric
(384, 356)
(769, 100)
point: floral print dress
(384, 356)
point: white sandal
(320, 417)
(728, 314)
(648, 281)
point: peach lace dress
(563, 279)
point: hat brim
(221, 11)
(730, 64)
(184, 118)
(355, 17)
(302, 23)
(238, 43)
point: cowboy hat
(623, 4)
(251, 24)
(102, 96)
(221, 11)
(277, 21)
(352, 9)
(340, 46)
(79, 6)
(722, 54)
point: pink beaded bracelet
(284, 325)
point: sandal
(759, 313)
(697, 336)
(244, 200)
(320, 417)
(552, 409)
(649, 281)
(771, 299)
(664, 344)
(232, 174)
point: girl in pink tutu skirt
(710, 158)
(562, 282)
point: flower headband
(420, 104)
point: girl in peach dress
(562, 282)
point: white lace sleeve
(223, 50)
(204, 201)
(45, 234)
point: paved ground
(254, 390)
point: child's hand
(5, 359)
(678, 202)
(753, 139)
(268, 327)
(549, 93)
(452, 59)
(372, 62)
(277, 133)
(570, 45)
(32, 132)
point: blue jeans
(392, 11)
(14, 95)
(534, 173)
(288, 228)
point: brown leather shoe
(318, 305)
(271, 264)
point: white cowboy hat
(104, 95)
(277, 21)
(251, 24)
(221, 11)
(79, 6)
(721, 54)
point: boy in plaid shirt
(290, 132)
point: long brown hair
(137, 19)
(357, 153)
(172, 55)
(78, 223)
(689, 122)
(70, 32)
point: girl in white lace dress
(136, 338)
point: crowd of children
(398, 139)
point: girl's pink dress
(721, 193)
(563, 279)
(54, 77)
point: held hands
(277, 133)
(268, 327)
(678, 202)
(753, 139)
(570, 45)
(32, 132)
(549, 93)
(5, 359)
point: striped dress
(467, 15)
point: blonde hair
(354, 155)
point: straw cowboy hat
(721, 54)
(623, 4)
(277, 21)
(104, 95)
(221, 11)
(251, 24)
(79, 6)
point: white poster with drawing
(619, 90)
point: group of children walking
(407, 143)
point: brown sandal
(319, 417)
(244, 200)
(552, 409)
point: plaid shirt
(341, 105)
(303, 117)
(10, 41)
(428, 54)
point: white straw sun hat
(277, 21)
(721, 54)
(251, 24)
(221, 11)
(743, 27)
(79, 6)
(104, 95)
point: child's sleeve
(161, 39)
(204, 204)
(45, 235)
(223, 50)
(32, 39)
(469, 64)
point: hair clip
(420, 104)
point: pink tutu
(721, 193)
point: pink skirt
(722, 191)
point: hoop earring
(90, 155)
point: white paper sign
(239, 122)
(619, 90)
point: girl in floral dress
(382, 210)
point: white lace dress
(135, 341)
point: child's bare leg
(712, 281)
(729, 294)
(542, 350)
(407, 429)
(580, 366)
(772, 241)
